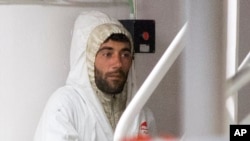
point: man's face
(112, 64)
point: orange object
(139, 138)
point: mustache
(117, 73)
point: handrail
(240, 79)
(245, 61)
(149, 85)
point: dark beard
(117, 85)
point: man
(98, 88)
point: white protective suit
(74, 112)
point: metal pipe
(245, 62)
(149, 85)
(239, 80)
(232, 56)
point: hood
(84, 26)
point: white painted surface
(34, 49)
(165, 102)
(150, 84)
(34, 62)
(204, 70)
(244, 48)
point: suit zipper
(113, 109)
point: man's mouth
(115, 75)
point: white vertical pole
(232, 56)
(203, 70)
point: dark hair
(118, 37)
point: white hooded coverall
(74, 112)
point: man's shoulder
(65, 96)
(64, 92)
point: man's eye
(126, 55)
(107, 54)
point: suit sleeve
(56, 123)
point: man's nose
(117, 62)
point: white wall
(244, 48)
(34, 60)
(34, 51)
(169, 18)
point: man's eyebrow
(110, 48)
(105, 48)
(126, 49)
